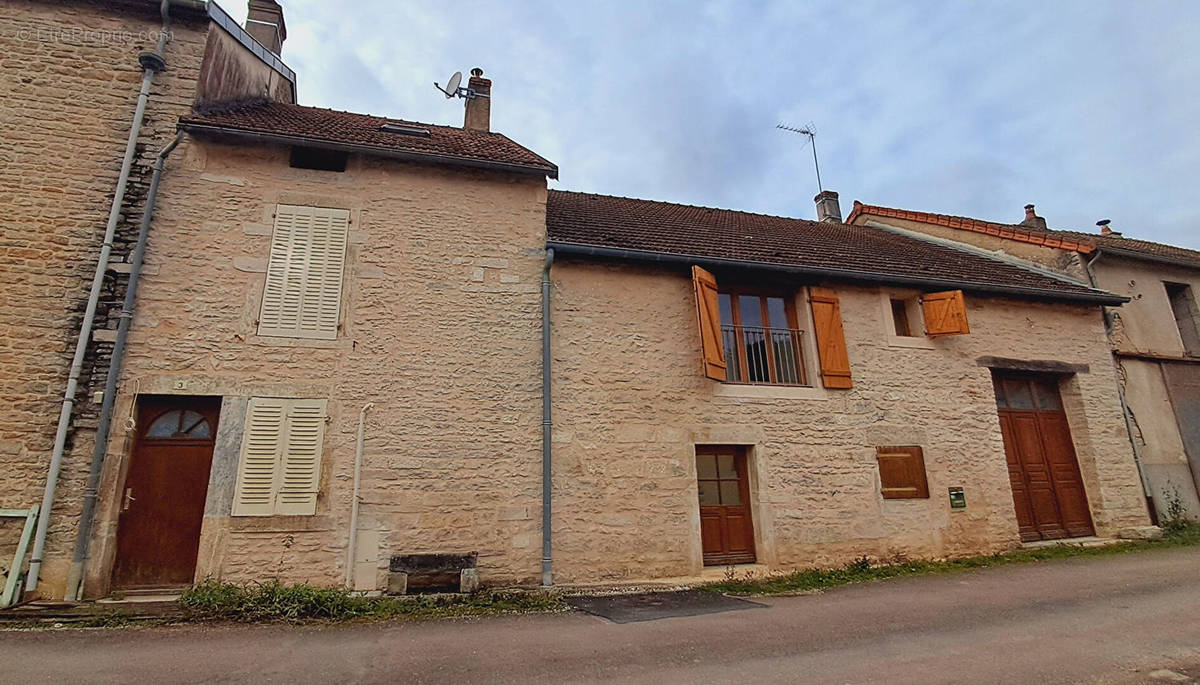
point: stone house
(1154, 336)
(90, 92)
(358, 337)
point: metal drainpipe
(547, 426)
(152, 63)
(358, 457)
(1125, 411)
(83, 536)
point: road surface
(1123, 619)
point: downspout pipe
(358, 459)
(547, 427)
(152, 63)
(1147, 492)
(83, 536)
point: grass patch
(864, 569)
(274, 601)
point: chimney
(1032, 220)
(264, 22)
(1105, 230)
(479, 102)
(827, 206)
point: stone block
(397, 583)
(1140, 533)
(468, 580)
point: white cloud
(1088, 109)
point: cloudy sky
(1089, 109)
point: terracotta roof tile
(660, 227)
(327, 125)
(1074, 241)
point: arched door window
(180, 424)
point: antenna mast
(810, 131)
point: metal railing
(764, 356)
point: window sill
(911, 342)
(271, 341)
(281, 523)
(769, 392)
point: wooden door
(162, 504)
(1044, 473)
(726, 527)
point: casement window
(900, 321)
(940, 314)
(279, 470)
(902, 472)
(761, 338)
(302, 297)
(1187, 317)
(754, 337)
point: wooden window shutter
(708, 314)
(300, 470)
(945, 313)
(902, 472)
(831, 340)
(280, 468)
(262, 446)
(303, 292)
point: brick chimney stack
(264, 22)
(1032, 220)
(479, 107)
(828, 208)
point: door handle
(128, 499)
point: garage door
(1046, 484)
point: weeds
(864, 569)
(274, 601)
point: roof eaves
(854, 275)
(1006, 231)
(192, 126)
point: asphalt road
(1123, 619)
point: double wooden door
(1046, 483)
(726, 526)
(162, 505)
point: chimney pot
(1032, 220)
(478, 116)
(1105, 229)
(828, 208)
(264, 22)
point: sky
(1090, 110)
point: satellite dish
(451, 88)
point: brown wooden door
(162, 505)
(726, 527)
(1042, 468)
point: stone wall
(440, 330)
(69, 80)
(630, 405)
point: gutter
(152, 63)
(83, 536)
(670, 258)
(547, 428)
(404, 155)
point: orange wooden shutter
(945, 313)
(902, 472)
(708, 314)
(831, 341)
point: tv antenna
(810, 131)
(454, 88)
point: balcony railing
(764, 356)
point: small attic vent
(405, 130)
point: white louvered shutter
(262, 447)
(303, 292)
(300, 471)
